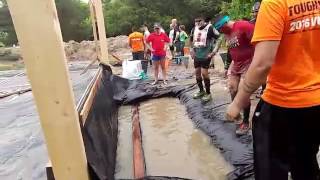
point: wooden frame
(98, 19)
(85, 109)
(38, 30)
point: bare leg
(206, 79)
(164, 70)
(156, 70)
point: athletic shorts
(286, 139)
(138, 55)
(202, 64)
(158, 58)
(233, 71)
(238, 70)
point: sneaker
(165, 82)
(206, 97)
(238, 121)
(243, 129)
(198, 95)
(154, 83)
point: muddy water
(173, 147)
(124, 166)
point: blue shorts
(158, 58)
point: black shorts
(286, 139)
(202, 64)
(171, 48)
(138, 55)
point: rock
(10, 54)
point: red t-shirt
(158, 42)
(239, 43)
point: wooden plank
(38, 30)
(88, 103)
(138, 156)
(18, 92)
(94, 27)
(102, 32)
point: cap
(156, 26)
(220, 21)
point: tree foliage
(122, 15)
(237, 9)
(73, 15)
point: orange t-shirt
(294, 79)
(136, 41)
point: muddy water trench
(172, 146)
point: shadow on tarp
(101, 128)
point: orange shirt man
(136, 42)
(286, 125)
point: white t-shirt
(171, 34)
(146, 34)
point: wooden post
(102, 32)
(94, 28)
(38, 30)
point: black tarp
(101, 127)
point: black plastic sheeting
(101, 127)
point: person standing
(172, 37)
(202, 51)
(238, 35)
(136, 42)
(286, 126)
(183, 36)
(146, 34)
(159, 42)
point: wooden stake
(38, 29)
(102, 32)
(94, 27)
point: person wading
(202, 51)
(286, 125)
(159, 42)
(238, 35)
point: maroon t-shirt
(239, 44)
(158, 42)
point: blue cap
(221, 22)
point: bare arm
(218, 45)
(264, 57)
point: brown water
(173, 147)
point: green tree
(74, 19)
(237, 9)
(6, 26)
(73, 15)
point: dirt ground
(11, 59)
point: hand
(233, 112)
(225, 73)
(192, 54)
(210, 55)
